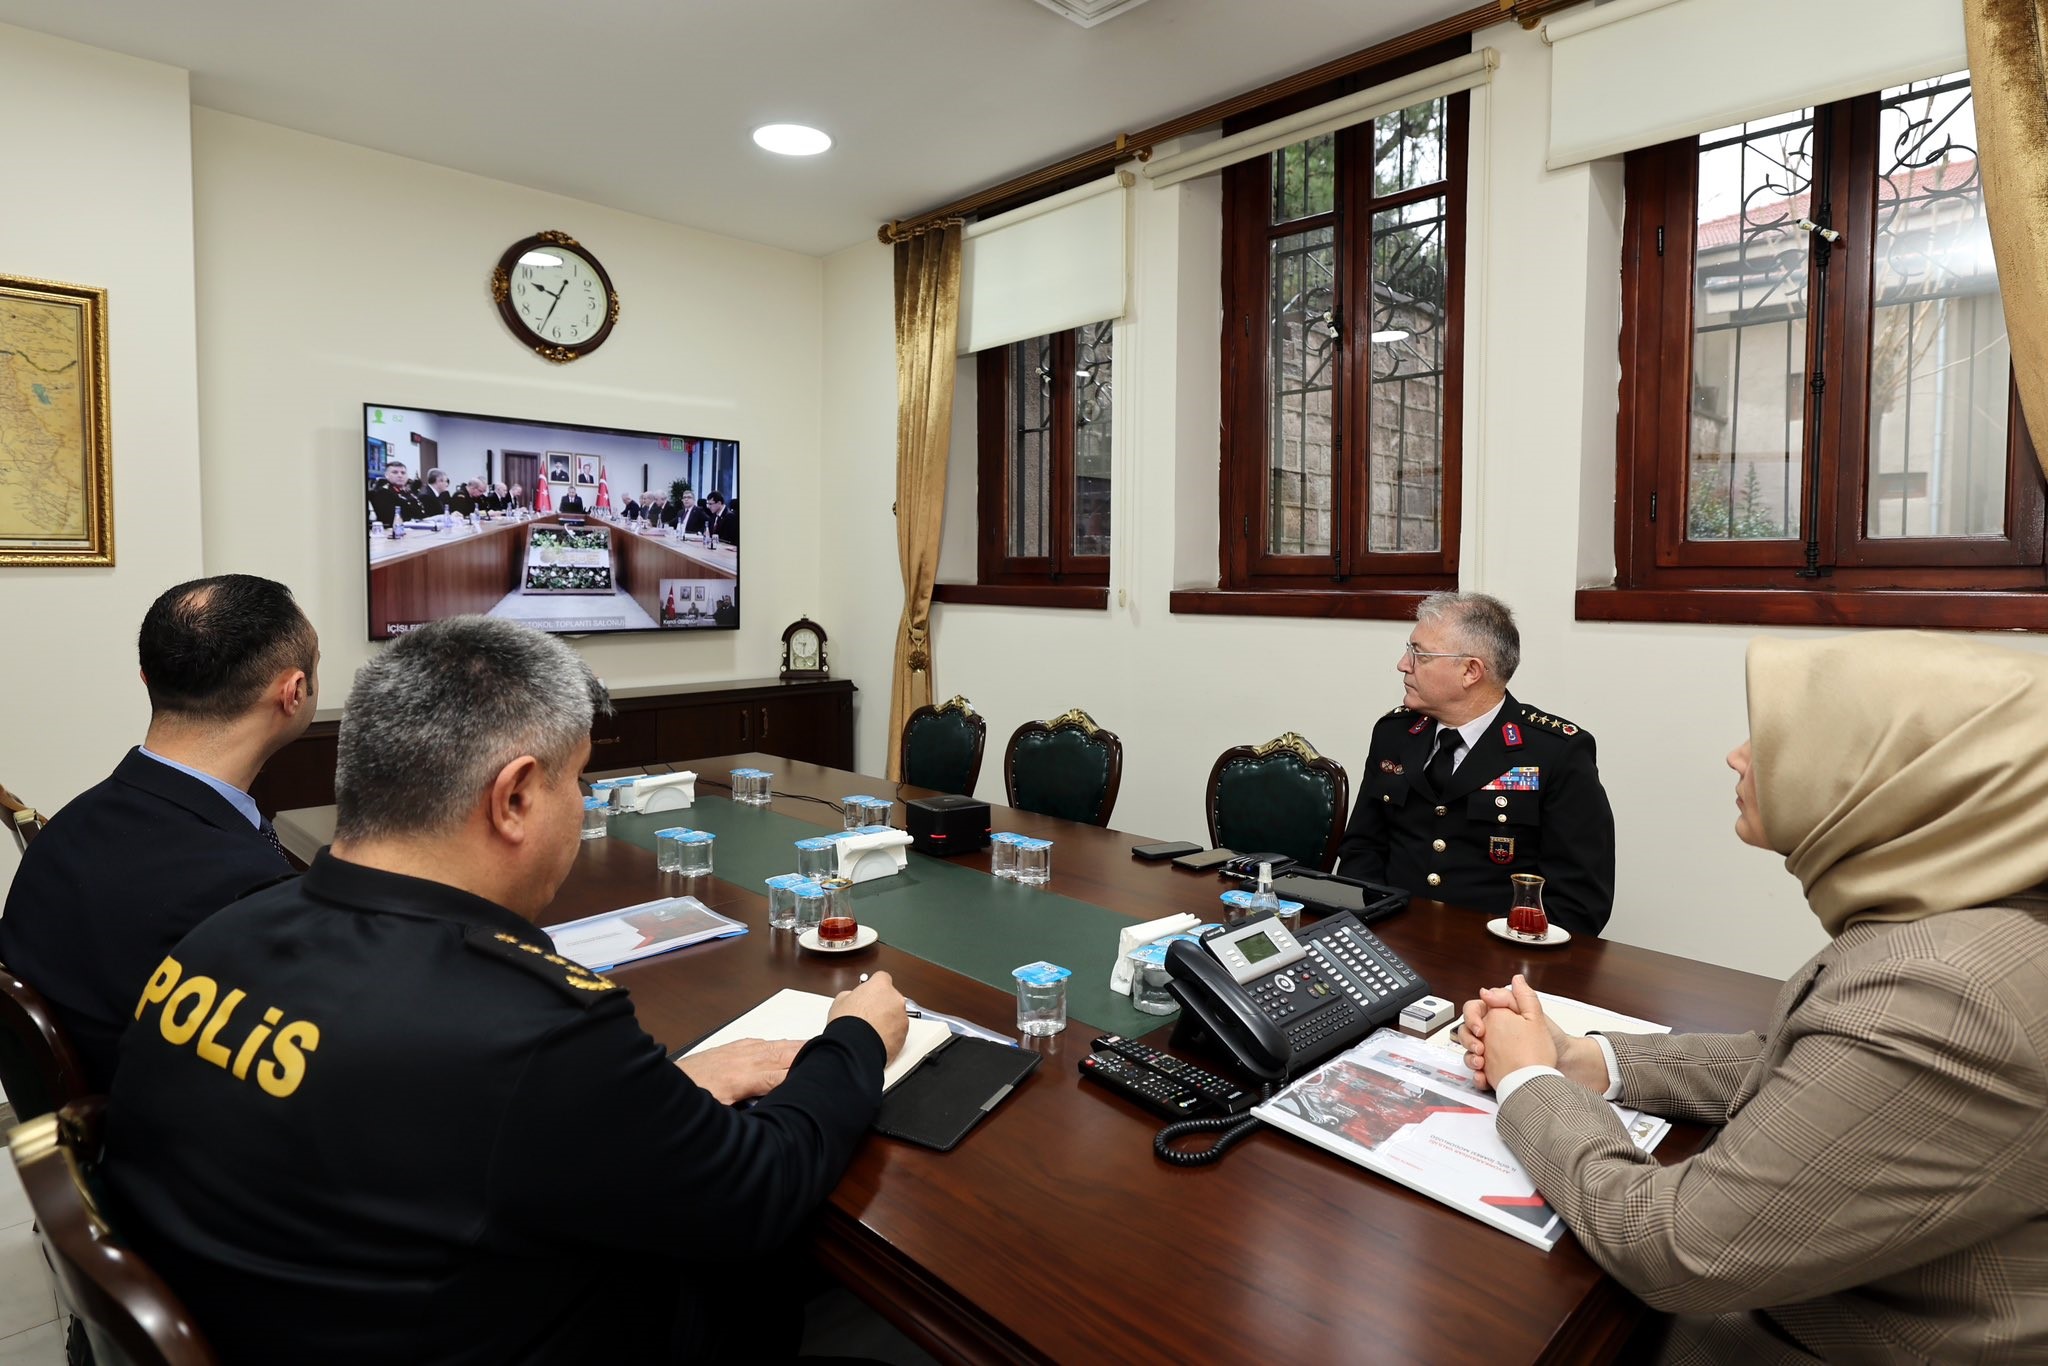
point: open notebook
(792, 1014)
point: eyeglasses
(1418, 655)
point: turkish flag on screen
(604, 492)
(543, 500)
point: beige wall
(1665, 701)
(100, 193)
(331, 276)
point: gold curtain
(2009, 77)
(927, 322)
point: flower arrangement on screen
(544, 538)
(569, 577)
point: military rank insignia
(1511, 735)
(1420, 723)
(1501, 848)
(577, 981)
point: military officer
(396, 495)
(372, 1115)
(1464, 785)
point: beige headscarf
(1901, 774)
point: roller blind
(1049, 266)
(1445, 78)
(1634, 73)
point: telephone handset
(1277, 1003)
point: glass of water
(854, 810)
(817, 857)
(810, 905)
(1034, 862)
(668, 849)
(782, 900)
(1002, 854)
(696, 853)
(595, 816)
(877, 813)
(764, 782)
(1041, 998)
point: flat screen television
(572, 529)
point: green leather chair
(1067, 767)
(1280, 797)
(942, 747)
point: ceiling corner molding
(1089, 13)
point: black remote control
(1221, 1092)
(1153, 1090)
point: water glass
(764, 783)
(877, 813)
(1148, 980)
(854, 811)
(696, 853)
(595, 815)
(668, 849)
(810, 905)
(1034, 862)
(782, 900)
(1041, 998)
(1002, 854)
(818, 857)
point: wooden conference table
(431, 574)
(1052, 1232)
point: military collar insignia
(1511, 735)
(1421, 723)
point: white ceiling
(646, 105)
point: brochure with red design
(1397, 1107)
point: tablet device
(1326, 894)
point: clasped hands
(1506, 1030)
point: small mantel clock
(555, 296)
(803, 651)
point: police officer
(373, 1115)
(1464, 785)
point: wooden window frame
(1855, 579)
(1353, 580)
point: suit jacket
(116, 878)
(1878, 1190)
(557, 1191)
(573, 503)
(1526, 799)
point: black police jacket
(367, 1118)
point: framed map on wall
(56, 464)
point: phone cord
(1230, 1130)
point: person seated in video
(394, 496)
(724, 521)
(572, 501)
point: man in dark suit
(632, 508)
(725, 520)
(1465, 786)
(300, 1224)
(573, 502)
(394, 496)
(434, 495)
(122, 872)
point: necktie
(1445, 761)
(270, 833)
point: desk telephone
(1277, 1002)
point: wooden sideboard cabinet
(811, 722)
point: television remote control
(1220, 1092)
(1154, 1090)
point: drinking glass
(696, 853)
(1525, 914)
(817, 857)
(810, 905)
(594, 818)
(853, 811)
(782, 900)
(668, 849)
(1034, 862)
(1002, 854)
(1041, 998)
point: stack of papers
(605, 940)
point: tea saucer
(866, 935)
(1557, 934)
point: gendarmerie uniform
(1526, 799)
(363, 1117)
(388, 501)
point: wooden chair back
(1067, 767)
(1280, 797)
(942, 747)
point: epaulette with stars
(1555, 724)
(1398, 711)
(580, 983)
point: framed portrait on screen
(586, 470)
(558, 467)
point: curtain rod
(1140, 144)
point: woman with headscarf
(1878, 1188)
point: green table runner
(960, 918)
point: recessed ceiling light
(791, 139)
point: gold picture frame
(56, 457)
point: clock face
(803, 650)
(555, 296)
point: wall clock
(555, 297)
(803, 651)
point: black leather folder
(949, 1092)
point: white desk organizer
(667, 792)
(865, 856)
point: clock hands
(555, 305)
